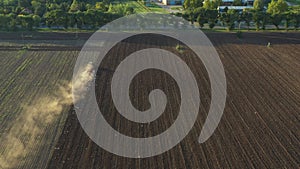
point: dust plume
(24, 137)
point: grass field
(259, 128)
(156, 8)
(139, 7)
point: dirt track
(260, 125)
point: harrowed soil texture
(260, 127)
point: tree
(288, 16)
(74, 6)
(208, 4)
(212, 16)
(247, 17)
(121, 9)
(101, 6)
(257, 17)
(64, 6)
(277, 7)
(229, 18)
(191, 16)
(218, 3)
(258, 5)
(79, 19)
(129, 10)
(38, 7)
(295, 16)
(36, 20)
(17, 10)
(276, 20)
(192, 4)
(26, 21)
(12, 25)
(265, 20)
(99, 18)
(72, 19)
(4, 21)
(201, 19)
(89, 18)
(24, 3)
(57, 18)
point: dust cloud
(25, 136)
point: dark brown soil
(260, 127)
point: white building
(172, 2)
(237, 8)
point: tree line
(87, 14)
(275, 12)
(90, 14)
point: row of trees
(276, 13)
(40, 7)
(11, 21)
(27, 14)
(89, 14)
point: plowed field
(260, 127)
